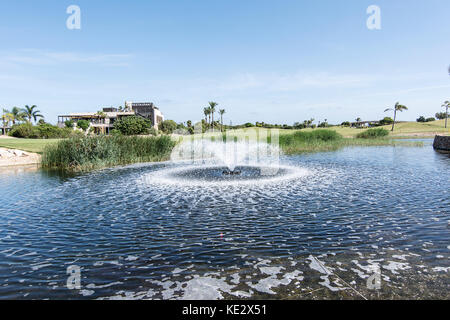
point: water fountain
(226, 161)
(228, 172)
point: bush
(440, 115)
(152, 131)
(345, 124)
(83, 124)
(167, 126)
(373, 133)
(386, 121)
(69, 123)
(46, 131)
(25, 130)
(298, 125)
(133, 125)
(88, 153)
(421, 119)
(43, 131)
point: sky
(274, 61)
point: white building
(103, 122)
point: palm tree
(446, 105)
(18, 115)
(30, 112)
(212, 107)
(206, 113)
(221, 112)
(398, 107)
(6, 117)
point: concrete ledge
(442, 143)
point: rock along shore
(15, 157)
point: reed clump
(329, 140)
(90, 153)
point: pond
(319, 229)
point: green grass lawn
(403, 128)
(420, 127)
(406, 129)
(30, 145)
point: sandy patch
(15, 157)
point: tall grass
(89, 153)
(373, 134)
(330, 140)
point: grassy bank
(301, 141)
(30, 145)
(85, 154)
(330, 140)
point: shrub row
(41, 131)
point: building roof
(95, 114)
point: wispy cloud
(44, 58)
(295, 81)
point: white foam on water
(315, 265)
(441, 269)
(87, 293)
(265, 285)
(40, 266)
(131, 258)
(94, 286)
(205, 288)
(326, 283)
(393, 266)
(166, 176)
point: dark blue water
(146, 232)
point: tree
(133, 125)
(212, 107)
(167, 126)
(440, 115)
(206, 112)
(398, 107)
(446, 105)
(386, 121)
(421, 119)
(18, 115)
(190, 128)
(32, 113)
(6, 118)
(69, 124)
(83, 124)
(221, 112)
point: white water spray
(230, 154)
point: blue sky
(273, 61)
